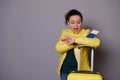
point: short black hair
(71, 13)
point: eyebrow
(77, 20)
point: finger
(63, 39)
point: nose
(76, 24)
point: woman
(68, 42)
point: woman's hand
(68, 39)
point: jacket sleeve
(94, 42)
(62, 47)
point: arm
(95, 42)
(82, 39)
(61, 46)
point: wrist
(74, 43)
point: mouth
(76, 29)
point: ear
(68, 22)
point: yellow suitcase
(85, 75)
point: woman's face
(75, 23)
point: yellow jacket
(81, 38)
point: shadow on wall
(100, 59)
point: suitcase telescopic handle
(92, 57)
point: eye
(78, 22)
(71, 22)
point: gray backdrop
(29, 30)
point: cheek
(80, 25)
(70, 25)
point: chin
(75, 32)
